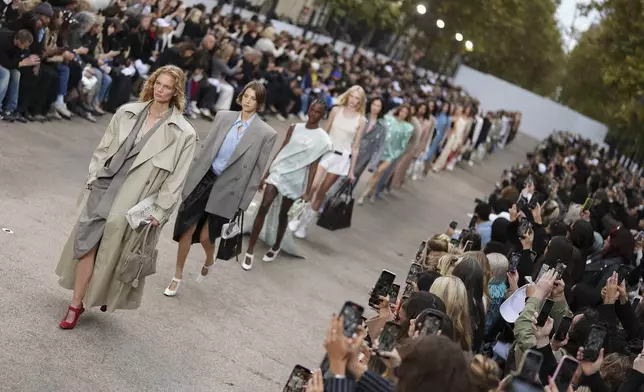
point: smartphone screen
(468, 246)
(352, 318)
(472, 223)
(594, 343)
(543, 270)
(636, 302)
(622, 272)
(298, 379)
(559, 270)
(530, 365)
(419, 252)
(388, 337)
(382, 287)
(455, 241)
(414, 270)
(524, 227)
(521, 203)
(534, 200)
(519, 385)
(562, 331)
(453, 225)
(565, 372)
(514, 261)
(427, 324)
(393, 293)
(409, 290)
(545, 312)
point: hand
(536, 214)
(352, 177)
(37, 69)
(513, 213)
(68, 56)
(152, 221)
(113, 53)
(544, 286)
(383, 304)
(557, 345)
(542, 333)
(337, 346)
(611, 293)
(82, 50)
(552, 387)
(590, 368)
(638, 364)
(262, 184)
(316, 383)
(391, 359)
(449, 232)
(356, 347)
(623, 295)
(528, 239)
(412, 333)
(513, 280)
(557, 293)
(101, 62)
(240, 62)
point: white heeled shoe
(172, 293)
(245, 266)
(271, 255)
(200, 277)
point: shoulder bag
(141, 261)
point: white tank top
(343, 131)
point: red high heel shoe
(64, 324)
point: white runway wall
(540, 115)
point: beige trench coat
(160, 168)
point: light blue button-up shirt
(230, 143)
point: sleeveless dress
(343, 132)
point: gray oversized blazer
(236, 185)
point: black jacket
(10, 54)
(29, 22)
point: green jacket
(524, 338)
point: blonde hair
(446, 264)
(484, 262)
(194, 15)
(343, 100)
(498, 267)
(452, 291)
(178, 98)
(485, 373)
(438, 244)
(226, 51)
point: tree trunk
(392, 47)
(364, 41)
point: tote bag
(338, 210)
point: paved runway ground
(238, 331)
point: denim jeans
(434, 146)
(382, 184)
(63, 79)
(103, 85)
(9, 82)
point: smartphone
(393, 293)
(388, 337)
(524, 227)
(409, 290)
(472, 223)
(453, 225)
(414, 270)
(536, 198)
(559, 270)
(530, 366)
(352, 318)
(562, 331)
(543, 270)
(382, 287)
(636, 301)
(565, 372)
(622, 272)
(519, 385)
(298, 379)
(514, 261)
(594, 342)
(468, 246)
(639, 236)
(455, 241)
(588, 204)
(521, 203)
(546, 308)
(419, 252)
(427, 324)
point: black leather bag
(232, 247)
(338, 210)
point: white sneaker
(301, 232)
(206, 113)
(307, 217)
(471, 163)
(280, 117)
(302, 116)
(172, 293)
(62, 109)
(193, 108)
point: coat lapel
(246, 141)
(159, 141)
(128, 120)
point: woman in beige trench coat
(159, 146)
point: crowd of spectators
(541, 291)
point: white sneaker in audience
(62, 109)
(302, 116)
(194, 109)
(280, 117)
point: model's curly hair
(179, 96)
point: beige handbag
(142, 259)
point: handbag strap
(141, 245)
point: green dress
(398, 135)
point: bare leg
(182, 253)
(270, 193)
(327, 183)
(208, 247)
(283, 222)
(374, 179)
(84, 272)
(317, 182)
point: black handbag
(232, 246)
(338, 210)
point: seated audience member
(12, 58)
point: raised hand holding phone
(587, 366)
(542, 332)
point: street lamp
(440, 24)
(469, 46)
(459, 37)
(421, 9)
